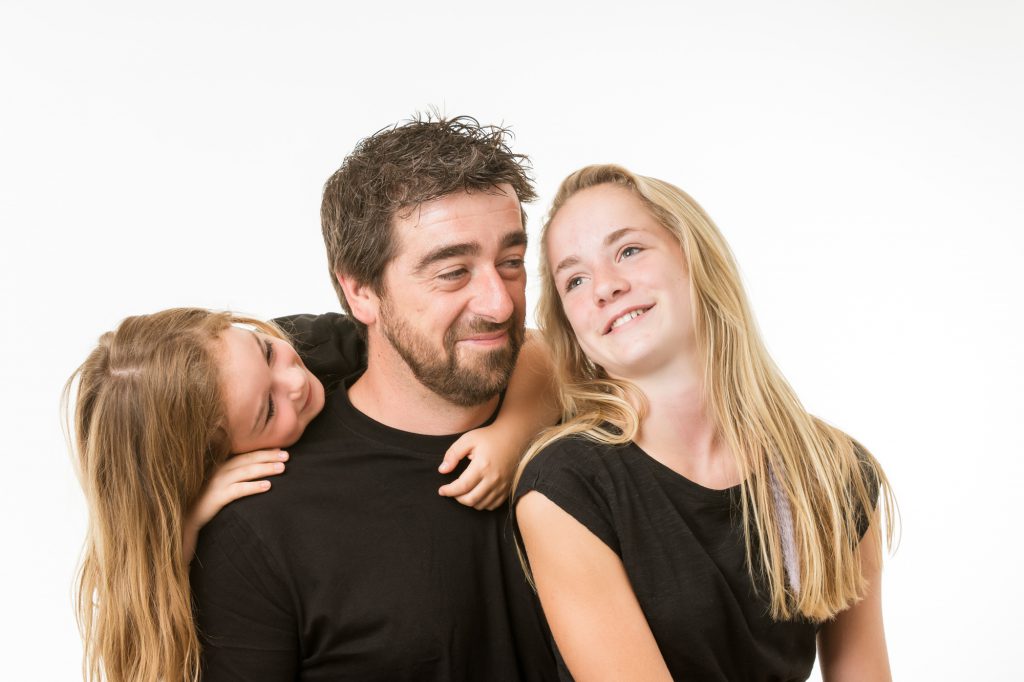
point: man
(353, 567)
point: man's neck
(389, 393)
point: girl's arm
(589, 603)
(852, 645)
(495, 450)
(233, 479)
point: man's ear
(362, 299)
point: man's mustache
(479, 326)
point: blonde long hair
(147, 428)
(829, 482)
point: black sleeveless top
(682, 548)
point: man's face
(453, 304)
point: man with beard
(353, 567)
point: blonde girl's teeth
(626, 318)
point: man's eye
(452, 275)
(514, 263)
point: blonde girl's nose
(609, 285)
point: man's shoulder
(330, 344)
(308, 332)
(310, 328)
(265, 522)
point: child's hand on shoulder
(486, 481)
(239, 476)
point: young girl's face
(270, 396)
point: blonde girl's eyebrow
(609, 239)
(566, 262)
(617, 235)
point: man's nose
(491, 297)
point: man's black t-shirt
(682, 547)
(352, 567)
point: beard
(465, 381)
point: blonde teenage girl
(688, 519)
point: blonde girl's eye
(629, 251)
(572, 283)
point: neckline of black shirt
(685, 484)
(339, 407)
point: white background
(863, 159)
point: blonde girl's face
(270, 396)
(622, 281)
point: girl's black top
(682, 548)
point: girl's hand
(486, 481)
(239, 476)
(530, 405)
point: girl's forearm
(531, 402)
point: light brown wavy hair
(147, 428)
(830, 483)
(397, 169)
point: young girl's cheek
(292, 430)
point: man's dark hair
(397, 169)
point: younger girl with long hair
(688, 518)
(155, 423)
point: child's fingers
(473, 498)
(497, 498)
(251, 472)
(486, 492)
(486, 496)
(462, 485)
(240, 476)
(255, 457)
(245, 489)
(459, 449)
